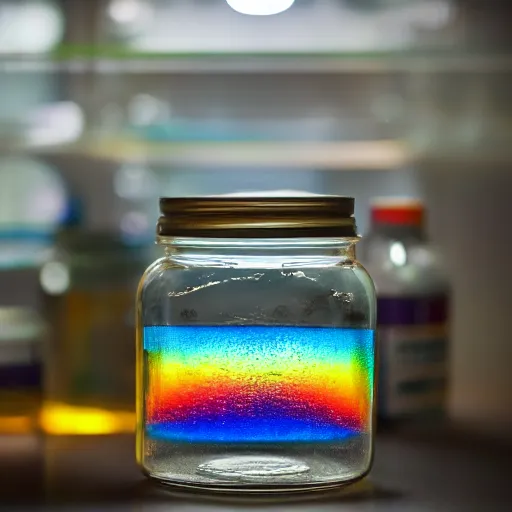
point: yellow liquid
(89, 383)
(64, 419)
(18, 411)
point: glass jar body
(413, 296)
(88, 288)
(256, 365)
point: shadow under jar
(256, 348)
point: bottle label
(413, 350)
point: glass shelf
(121, 61)
(336, 156)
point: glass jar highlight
(256, 347)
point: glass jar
(88, 287)
(256, 347)
(413, 297)
(22, 335)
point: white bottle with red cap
(413, 308)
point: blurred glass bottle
(89, 287)
(22, 333)
(32, 201)
(413, 300)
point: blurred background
(108, 104)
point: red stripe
(405, 215)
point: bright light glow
(433, 15)
(135, 224)
(260, 7)
(398, 254)
(135, 183)
(144, 110)
(54, 278)
(124, 11)
(272, 193)
(34, 26)
(130, 17)
(62, 419)
(56, 123)
(32, 194)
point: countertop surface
(431, 469)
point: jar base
(238, 490)
(252, 468)
(266, 469)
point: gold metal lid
(257, 217)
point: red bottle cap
(405, 212)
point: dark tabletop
(427, 469)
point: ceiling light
(260, 7)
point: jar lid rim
(257, 217)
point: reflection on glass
(54, 278)
(397, 254)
